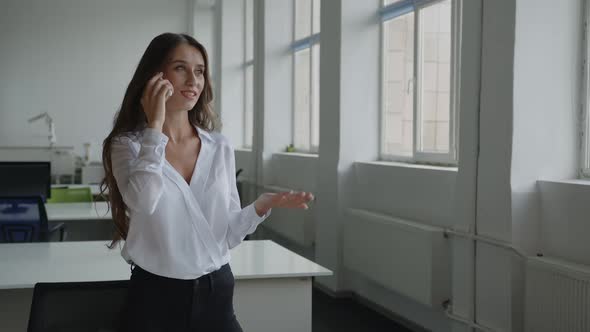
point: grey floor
(343, 315)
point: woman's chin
(185, 107)
(189, 106)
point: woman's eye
(179, 67)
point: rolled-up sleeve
(242, 221)
(139, 173)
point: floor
(343, 315)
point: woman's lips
(189, 94)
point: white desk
(84, 221)
(273, 284)
(78, 211)
(64, 212)
(94, 188)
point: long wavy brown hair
(131, 119)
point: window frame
(299, 45)
(399, 9)
(246, 64)
(584, 118)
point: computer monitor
(25, 178)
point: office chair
(96, 306)
(24, 219)
(70, 195)
(239, 186)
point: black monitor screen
(27, 178)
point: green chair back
(70, 195)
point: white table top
(25, 264)
(266, 259)
(78, 211)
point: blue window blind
(306, 42)
(401, 8)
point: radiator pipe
(505, 245)
(473, 325)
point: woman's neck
(177, 127)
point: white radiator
(557, 296)
(409, 258)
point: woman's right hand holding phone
(155, 94)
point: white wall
(530, 81)
(547, 78)
(74, 60)
(547, 100)
(493, 219)
(547, 62)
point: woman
(173, 194)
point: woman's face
(185, 69)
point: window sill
(397, 164)
(572, 182)
(296, 155)
(242, 149)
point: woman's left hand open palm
(292, 200)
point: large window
(306, 67)
(248, 72)
(418, 87)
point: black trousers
(157, 303)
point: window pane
(302, 100)
(397, 86)
(302, 18)
(316, 16)
(586, 161)
(248, 72)
(315, 107)
(248, 106)
(435, 80)
(249, 29)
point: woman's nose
(191, 80)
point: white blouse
(180, 230)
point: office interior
(445, 141)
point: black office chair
(239, 184)
(24, 219)
(78, 306)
